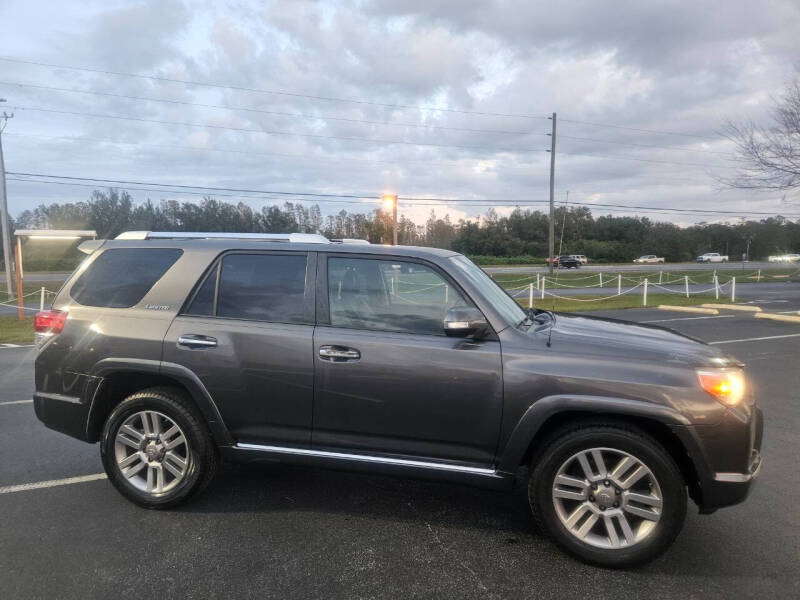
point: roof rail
(348, 241)
(298, 238)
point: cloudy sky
(427, 98)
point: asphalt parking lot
(287, 532)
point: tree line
(522, 233)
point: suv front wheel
(609, 494)
(156, 449)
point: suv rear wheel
(156, 449)
(608, 494)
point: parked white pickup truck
(712, 257)
(649, 258)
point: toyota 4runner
(173, 350)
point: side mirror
(465, 321)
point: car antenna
(560, 246)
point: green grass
(588, 303)
(13, 331)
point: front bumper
(727, 461)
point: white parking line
(688, 319)
(10, 346)
(10, 489)
(756, 339)
(16, 402)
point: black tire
(202, 455)
(619, 436)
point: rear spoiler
(90, 246)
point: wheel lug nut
(606, 483)
(602, 507)
(617, 492)
(591, 498)
(616, 504)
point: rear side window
(258, 287)
(120, 277)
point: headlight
(726, 386)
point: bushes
(506, 260)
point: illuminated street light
(390, 201)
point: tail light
(49, 322)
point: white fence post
(446, 293)
(543, 280)
(716, 286)
(530, 296)
(733, 289)
(41, 300)
(686, 284)
(660, 273)
(537, 281)
(601, 280)
(619, 284)
(644, 294)
(758, 277)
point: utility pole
(551, 243)
(6, 234)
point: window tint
(263, 287)
(120, 277)
(203, 302)
(389, 295)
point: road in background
(275, 531)
(654, 267)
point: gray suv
(173, 350)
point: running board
(385, 460)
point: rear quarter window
(120, 277)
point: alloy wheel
(152, 452)
(607, 498)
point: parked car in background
(785, 258)
(649, 258)
(566, 262)
(712, 257)
(580, 258)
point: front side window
(121, 277)
(387, 295)
(508, 308)
(259, 287)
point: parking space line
(10, 489)
(689, 319)
(16, 402)
(11, 346)
(756, 339)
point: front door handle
(194, 341)
(338, 353)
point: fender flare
(536, 415)
(187, 378)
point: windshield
(508, 308)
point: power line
(679, 148)
(407, 202)
(261, 111)
(263, 91)
(306, 157)
(375, 197)
(269, 132)
(356, 139)
(346, 100)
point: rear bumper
(66, 414)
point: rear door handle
(191, 340)
(338, 353)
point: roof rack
(297, 238)
(348, 241)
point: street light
(390, 201)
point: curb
(691, 309)
(774, 317)
(733, 307)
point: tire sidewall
(655, 458)
(180, 416)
